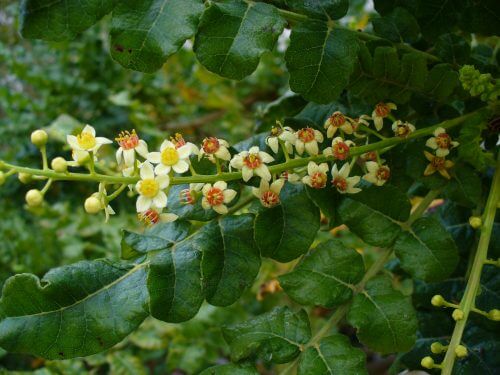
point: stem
(241, 204)
(45, 163)
(422, 206)
(116, 193)
(366, 129)
(468, 300)
(91, 163)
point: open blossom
(150, 189)
(439, 164)
(377, 174)
(340, 148)
(337, 121)
(402, 129)
(308, 138)
(154, 215)
(190, 195)
(292, 178)
(356, 122)
(179, 141)
(86, 140)
(269, 195)
(252, 162)
(129, 145)
(217, 196)
(342, 182)
(170, 158)
(215, 147)
(381, 111)
(441, 142)
(286, 135)
(316, 175)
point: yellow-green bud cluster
(478, 84)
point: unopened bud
(437, 347)
(34, 198)
(59, 165)
(39, 138)
(437, 300)
(461, 351)
(25, 178)
(475, 222)
(92, 205)
(494, 315)
(457, 314)
(427, 362)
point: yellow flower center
(86, 140)
(169, 156)
(149, 188)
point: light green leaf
(325, 9)
(233, 35)
(286, 231)
(60, 20)
(121, 363)
(470, 140)
(441, 82)
(320, 60)
(384, 318)
(375, 214)
(73, 311)
(230, 369)
(326, 276)
(278, 334)
(333, 355)
(145, 33)
(398, 26)
(427, 250)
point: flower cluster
(441, 143)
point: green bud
(438, 300)
(39, 138)
(475, 222)
(92, 205)
(461, 351)
(34, 198)
(437, 347)
(427, 362)
(457, 314)
(494, 315)
(25, 178)
(59, 165)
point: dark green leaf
(470, 140)
(287, 230)
(74, 311)
(278, 334)
(483, 17)
(438, 17)
(327, 200)
(326, 9)
(375, 214)
(453, 49)
(335, 356)
(230, 369)
(320, 60)
(145, 33)
(326, 276)
(441, 82)
(384, 318)
(233, 35)
(60, 20)
(465, 187)
(427, 250)
(398, 26)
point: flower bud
(34, 198)
(457, 314)
(438, 300)
(494, 315)
(92, 205)
(25, 178)
(427, 362)
(2, 178)
(59, 165)
(39, 138)
(461, 351)
(475, 222)
(437, 347)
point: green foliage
(397, 26)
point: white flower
(356, 122)
(402, 129)
(269, 195)
(150, 189)
(179, 141)
(292, 178)
(340, 148)
(316, 175)
(154, 215)
(381, 111)
(252, 162)
(170, 158)
(108, 210)
(129, 145)
(377, 174)
(441, 142)
(308, 138)
(215, 147)
(217, 196)
(286, 135)
(190, 195)
(342, 181)
(337, 121)
(86, 140)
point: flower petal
(160, 200)
(89, 129)
(147, 171)
(222, 185)
(154, 157)
(247, 173)
(263, 172)
(184, 151)
(143, 203)
(181, 166)
(162, 169)
(163, 181)
(229, 195)
(220, 209)
(142, 148)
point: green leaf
(160, 236)
(427, 250)
(73, 311)
(60, 20)
(326, 276)
(438, 17)
(287, 230)
(384, 318)
(398, 26)
(233, 35)
(375, 214)
(453, 49)
(470, 140)
(320, 60)
(482, 16)
(334, 355)
(441, 82)
(187, 211)
(125, 364)
(325, 9)
(327, 200)
(230, 369)
(278, 334)
(465, 187)
(145, 33)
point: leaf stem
(467, 304)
